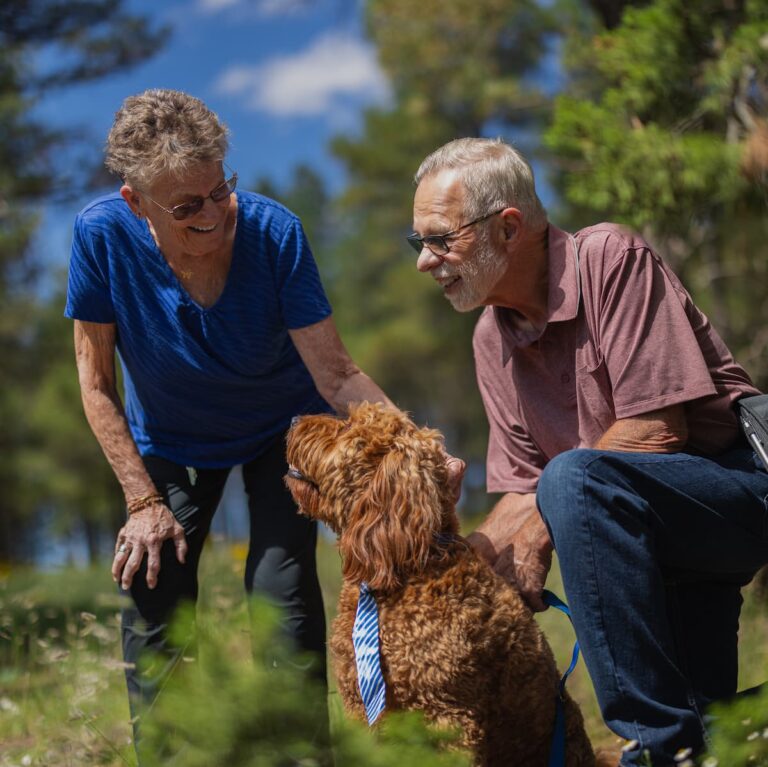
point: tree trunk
(610, 11)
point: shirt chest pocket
(594, 399)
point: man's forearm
(660, 431)
(106, 418)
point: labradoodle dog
(457, 642)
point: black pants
(280, 565)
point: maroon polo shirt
(623, 337)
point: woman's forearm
(106, 417)
(95, 357)
(356, 386)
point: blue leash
(557, 751)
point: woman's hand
(144, 533)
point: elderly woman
(212, 299)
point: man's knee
(563, 476)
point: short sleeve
(88, 293)
(302, 299)
(645, 336)
(514, 462)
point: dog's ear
(391, 526)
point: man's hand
(514, 540)
(527, 560)
(144, 533)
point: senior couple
(609, 395)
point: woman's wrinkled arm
(145, 530)
(337, 378)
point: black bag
(753, 414)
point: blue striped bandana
(365, 638)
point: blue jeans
(654, 550)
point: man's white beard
(479, 275)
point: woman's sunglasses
(194, 206)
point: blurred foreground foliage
(63, 698)
(740, 734)
(227, 709)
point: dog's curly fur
(457, 642)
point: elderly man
(613, 437)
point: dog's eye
(296, 474)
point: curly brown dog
(457, 642)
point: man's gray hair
(163, 131)
(494, 175)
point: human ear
(512, 220)
(131, 196)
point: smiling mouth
(202, 229)
(448, 284)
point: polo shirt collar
(563, 293)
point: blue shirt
(203, 387)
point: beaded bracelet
(139, 504)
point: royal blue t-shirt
(203, 387)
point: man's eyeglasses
(194, 206)
(438, 243)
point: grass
(62, 688)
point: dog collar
(365, 638)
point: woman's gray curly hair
(494, 175)
(161, 132)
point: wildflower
(6, 704)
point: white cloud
(281, 7)
(312, 82)
(214, 6)
(264, 8)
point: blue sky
(285, 75)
